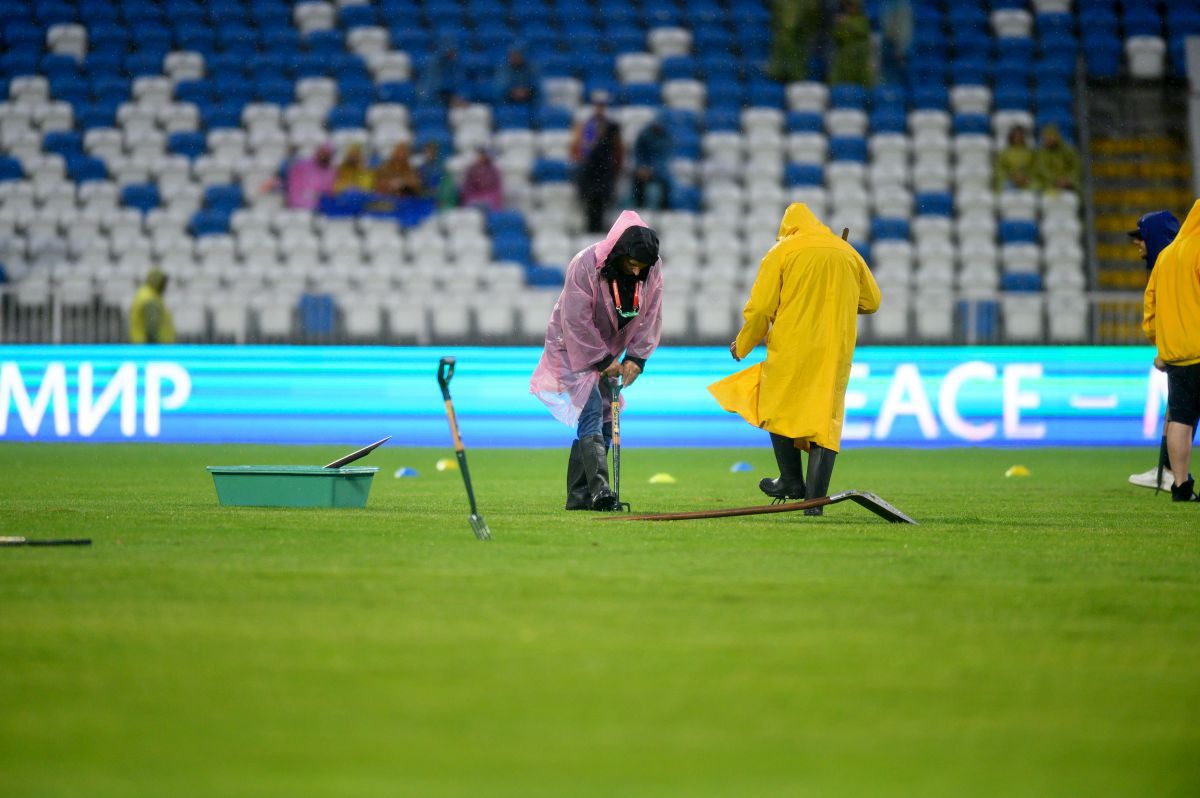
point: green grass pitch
(1032, 637)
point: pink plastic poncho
(583, 328)
(307, 180)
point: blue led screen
(898, 396)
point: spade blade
(363, 452)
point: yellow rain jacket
(1171, 317)
(149, 320)
(810, 288)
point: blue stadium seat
(141, 196)
(317, 314)
(847, 95)
(72, 89)
(137, 14)
(240, 39)
(686, 198)
(357, 16)
(711, 38)
(326, 42)
(805, 122)
(223, 198)
(65, 143)
(346, 115)
(512, 117)
(724, 92)
(505, 222)
(1103, 56)
(1056, 66)
(109, 87)
(512, 246)
(396, 92)
(54, 65)
(889, 120)
(547, 170)
(935, 203)
(197, 37)
(685, 144)
(141, 63)
(277, 90)
(963, 17)
(885, 229)
(678, 66)
(1141, 21)
(1018, 232)
(972, 123)
(641, 94)
(971, 70)
(1011, 96)
(20, 61)
(280, 39)
(930, 98)
(544, 276)
(1025, 282)
(82, 168)
(765, 93)
(848, 148)
(101, 113)
(10, 168)
(191, 144)
(51, 13)
(209, 222)
(804, 174)
(553, 118)
(1053, 96)
(103, 62)
(90, 13)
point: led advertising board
(898, 396)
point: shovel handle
(445, 373)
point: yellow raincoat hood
(810, 288)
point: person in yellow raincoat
(810, 288)
(149, 320)
(1170, 312)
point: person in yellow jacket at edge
(149, 320)
(810, 288)
(1171, 320)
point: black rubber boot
(578, 497)
(820, 471)
(594, 455)
(790, 484)
(1185, 492)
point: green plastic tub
(292, 486)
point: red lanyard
(637, 299)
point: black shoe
(605, 502)
(781, 489)
(1185, 492)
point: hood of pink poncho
(626, 220)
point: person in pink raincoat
(611, 303)
(309, 179)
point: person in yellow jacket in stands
(149, 320)
(810, 288)
(1171, 320)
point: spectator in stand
(443, 76)
(794, 23)
(516, 80)
(651, 175)
(1014, 164)
(149, 320)
(353, 174)
(481, 184)
(598, 154)
(396, 176)
(1055, 164)
(896, 27)
(308, 179)
(435, 180)
(852, 36)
